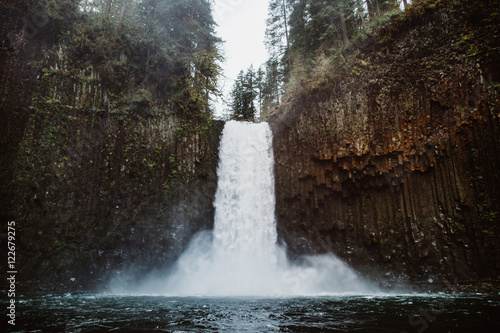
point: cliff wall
(392, 161)
(98, 180)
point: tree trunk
(108, 14)
(369, 7)
(122, 14)
(362, 16)
(146, 71)
(344, 29)
(286, 33)
(405, 4)
(373, 8)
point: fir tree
(243, 96)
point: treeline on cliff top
(300, 35)
(308, 39)
(167, 50)
(147, 50)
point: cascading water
(241, 256)
(245, 230)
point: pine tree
(272, 87)
(184, 59)
(260, 80)
(377, 7)
(323, 24)
(277, 31)
(243, 96)
(307, 30)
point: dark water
(403, 313)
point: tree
(243, 96)
(183, 56)
(272, 85)
(170, 45)
(277, 30)
(377, 7)
(405, 4)
(320, 25)
(299, 32)
(260, 81)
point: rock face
(97, 184)
(392, 163)
(96, 194)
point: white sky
(242, 26)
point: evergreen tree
(243, 96)
(169, 44)
(260, 80)
(299, 31)
(277, 31)
(322, 24)
(378, 7)
(184, 54)
(273, 83)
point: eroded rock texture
(393, 163)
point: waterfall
(244, 237)
(241, 257)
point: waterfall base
(241, 257)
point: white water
(242, 257)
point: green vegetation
(306, 38)
(313, 43)
(247, 90)
(168, 48)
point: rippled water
(402, 313)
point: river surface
(384, 313)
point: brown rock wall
(393, 163)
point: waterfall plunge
(241, 257)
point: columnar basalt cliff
(101, 175)
(97, 190)
(392, 162)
